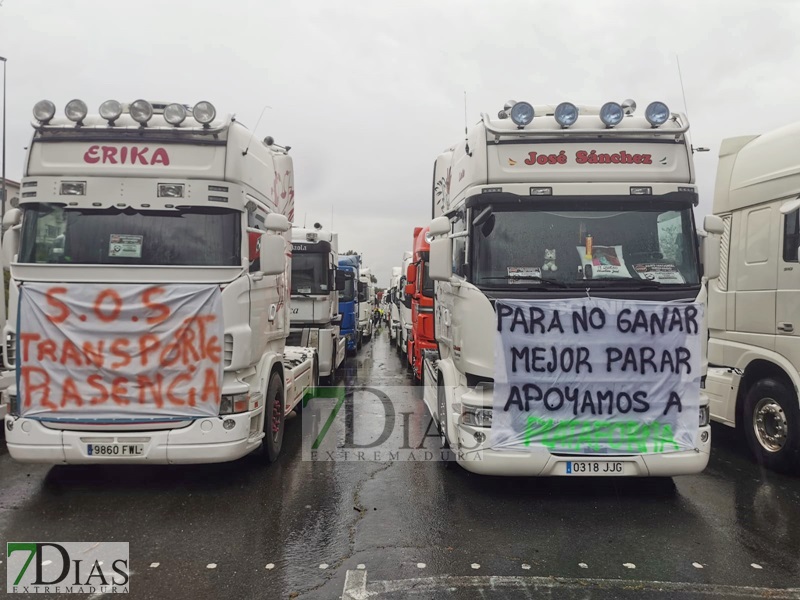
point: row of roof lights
(566, 113)
(140, 111)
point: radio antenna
(683, 91)
(246, 150)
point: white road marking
(526, 566)
(421, 565)
(629, 565)
(361, 567)
(756, 566)
(211, 566)
(423, 587)
(270, 566)
(324, 566)
(697, 565)
(475, 566)
(583, 565)
(154, 565)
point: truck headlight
(234, 403)
(476, 417)
(705, 416)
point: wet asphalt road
(293, 529)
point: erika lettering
(126, 155)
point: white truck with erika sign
(150, 289)
(315, 296)
(569, 305)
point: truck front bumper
(481, 459)
(202, 441)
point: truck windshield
(348, 294)
(191, 236)
(612, 242)
(309, 273)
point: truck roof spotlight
(611, 114)
(566, 114)
(76, 110)
(174, 114)
(110, 110)
(44, 111)
(204, 112)
(141, 111)
(521, 114)
(656, 113)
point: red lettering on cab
(126, 155)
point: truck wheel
(441, 401)
(360, 342)
(771, 421)
(273, 419)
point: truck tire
(360, 342)
(771, 421)
(441, 402)
(273, 419)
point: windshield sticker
(660, 272)
(606, 261)
(517, 274)
(125, 246)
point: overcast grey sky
(367, 93)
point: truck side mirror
(411, 280)
(441, 259)
(272, 253)
(710, 255)
(339, 280)
(713, 224)
(12, 218)
(11, 226)
(276, 222)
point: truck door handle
(786, 327)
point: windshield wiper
(553, 282)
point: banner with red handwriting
(107, 352)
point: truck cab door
(787, 314)
(757, 276)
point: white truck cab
(556, 203)
(393, 305)
(404, 306)
(366, 303)
(150, 265)
(753, 306)
(315, 296)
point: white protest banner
(103, 352)
(597, 376)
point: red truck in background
(419, 287)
